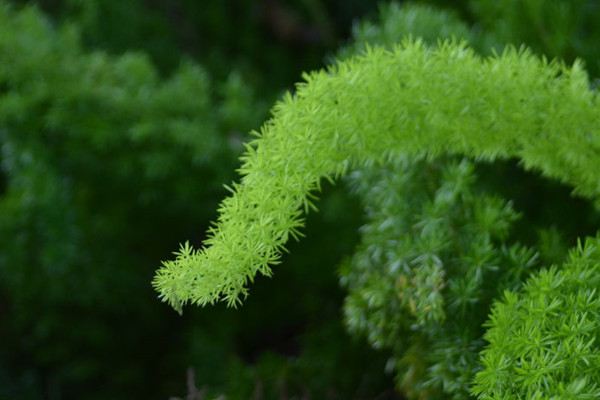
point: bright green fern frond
(412, 100)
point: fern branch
(412, 100)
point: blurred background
(120, 121)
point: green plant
(544, 341)
(100, 159)
(429, 102)
(433, 101)
(434, 255)
(438, 247)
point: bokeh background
(120, 121)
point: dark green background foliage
(121, 120)
(423, 278)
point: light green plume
(412, 100)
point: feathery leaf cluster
(544, 341)
(411, 100)
(433, 256)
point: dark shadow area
(3, 181)
(544, 203)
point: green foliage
(543, 342)
(143, 135)
(395, 22)
(271, 41)
(435, 244)
(100, 159)
(433, 256)
(434, 101)
(105, 166)
(108, 159)
(437, 359)
(567, 29)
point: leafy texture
(556, 28)
(434, 253)
(544, 342)
(435, 249)
(76, 128)
(106, 161)
(432, 259)
(397, 22)
(104, 165)
(412, 100)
